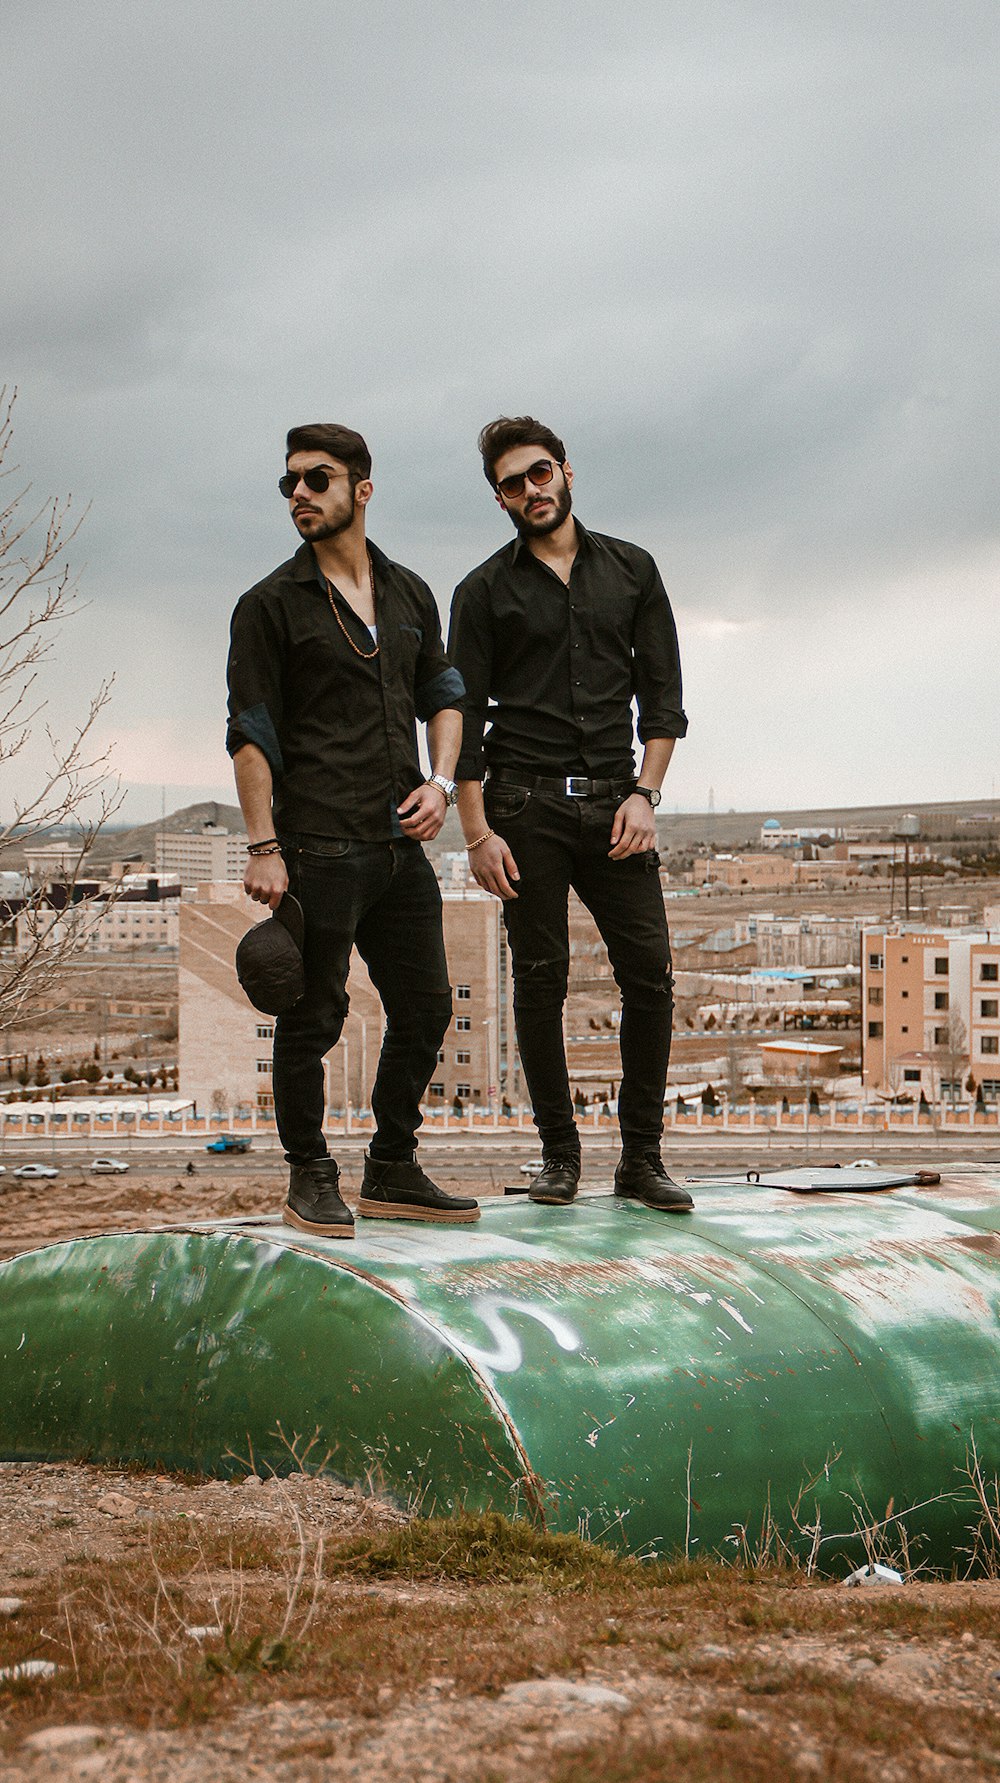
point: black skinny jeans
(384, 899)
(557, 843)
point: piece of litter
(200, 1633)
(27, 1668)
(874, 1575)
(9, 1606)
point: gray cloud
(744, 258)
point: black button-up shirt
(339, 732)
(564, 663)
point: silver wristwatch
(448, 787)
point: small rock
(710, 1652)
(64, 1739)
(253, 1482)
(865, 1665)
(9, 1606)
(115, 1504)
(28, 1668)
(562, 1693)
(968, 1639)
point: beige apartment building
(930, 1011)
(199, 857)
(225, 1046)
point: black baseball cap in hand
(269, 962)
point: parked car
(109, 1167)
(228, 1142)
(36, 1170)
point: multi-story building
(201, 856)
(807, 940)
(225, 1046)
(930, 1011)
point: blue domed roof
(772, 823)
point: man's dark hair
(516, 430)
(341, 443)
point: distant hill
(116, 845)
(739, 829)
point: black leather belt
(572, 786)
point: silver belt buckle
(571, 786)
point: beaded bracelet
(270, 846)
(478, 843)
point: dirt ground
(162, 1604)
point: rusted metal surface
(658, 1381)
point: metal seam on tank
(534, 1486)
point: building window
(441, 1056)
(904, 959)
(941, 965)
(264, 1067)
(875, 962)
(436, 1089)
(988, 1008)
(265, 1030)
(463, 992)
(940, 1036)
(911, 1076)
(463, 1024)
(463, 1091)
(990, 1043)
(463, 1058)
(989, 972)
(905, 1029)
(905, 993)
(875, 995)
(874, 1030)
(940, 999)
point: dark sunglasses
(539, 474)
(317, 480)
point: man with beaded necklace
(333, 658)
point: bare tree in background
(38, 593)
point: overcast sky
(742, 256)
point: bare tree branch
(38, 593)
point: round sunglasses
(317, 480)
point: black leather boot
(557, 1181)
(314, 1200)
(398, 1190)
(640, 1176)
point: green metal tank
(657, 1381)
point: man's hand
(266, 879)
(494, 868)
(634, 828)
(422, 814)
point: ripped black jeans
(384, 899)
(557, 843)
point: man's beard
(530, 528)
(327, 529)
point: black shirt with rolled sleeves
(338, 731)
(563, 664)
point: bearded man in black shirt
(333, 657)
(561, 629)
